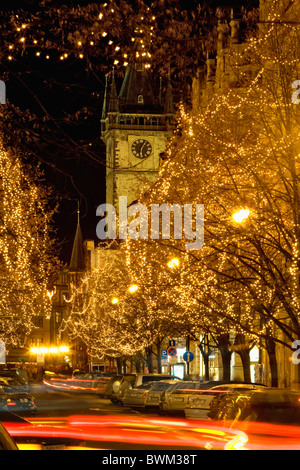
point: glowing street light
(132, 289)
(174, 263)
(115, 300)
(50, 350)
(241, 215)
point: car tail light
(10, 403)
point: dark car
(18, 374)
(14, 397)
(220, 391)
(277, 406)
(270, 418)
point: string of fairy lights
(31, 37)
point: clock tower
(135, 126)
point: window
(140, 99)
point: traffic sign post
(164, 354)
(172, 351)
(188, 356)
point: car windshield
(160, 387)
(152, 378)
(145, 386)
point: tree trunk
(119, 366)
(205, 352)
(245, 358)
(243, 350)
(271, 349)
(226, 359)
(223, 342)
(149, 360)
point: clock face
(141, 148)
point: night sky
(75, 175)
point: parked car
(134, 380)
(206, 404)
(113, 386)
(136, 397)
(13, 397)
(176, 397)
(20, 374)
(87, 381)
(264, 405)
(156, 393)
(102, 385)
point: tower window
(140, 99)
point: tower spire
(104, 107)
(169, 102)
(77, 258)
(113, 106)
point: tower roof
(137, 91)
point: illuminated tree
(119, 314)
(27, 264)
(241, 152)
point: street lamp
(174, 263)
(115, 300)
(132, 289)
(241, 215)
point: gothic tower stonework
(135, 127)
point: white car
(135, 397)
(156, 393)
(176, 397)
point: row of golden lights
(239, 217)
(50, 350)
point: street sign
(172, 351)
(188, 356)
(172, 342)
(164, 354)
